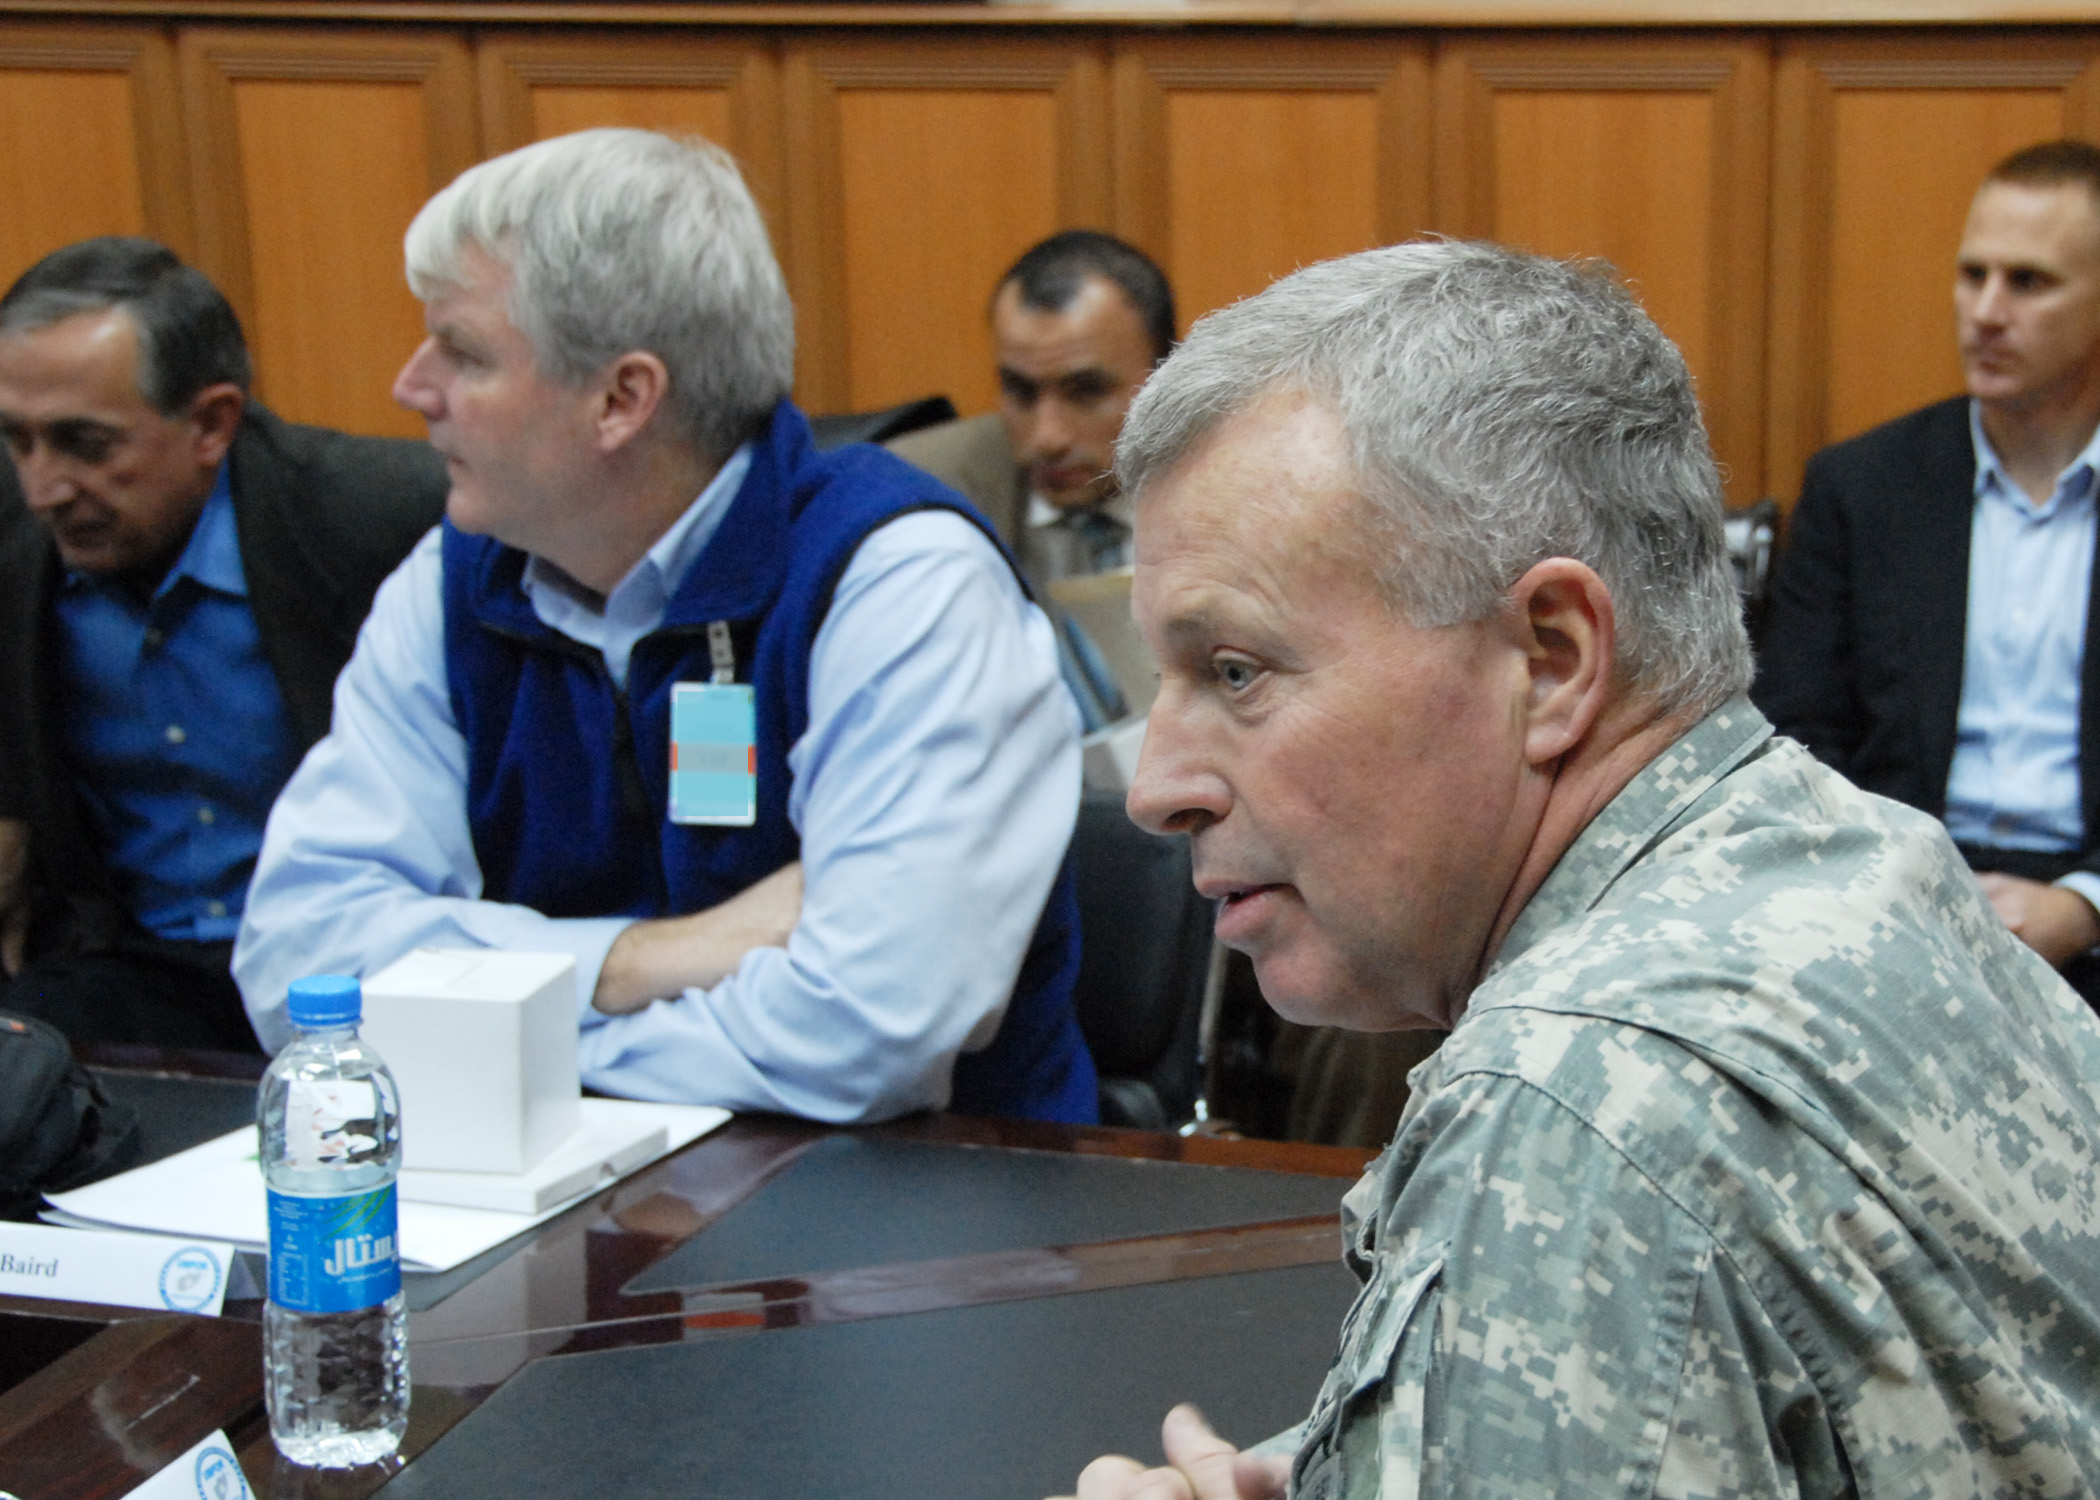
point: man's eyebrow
(453, 335)
(1190, 624)
(1091, 377)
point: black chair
(1146, 967)
(879, 426)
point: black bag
(58, 1130)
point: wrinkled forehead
(1271, 484)
(86, 363)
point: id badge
(714, 754)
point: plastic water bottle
(335, 1333)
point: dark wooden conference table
(939, 1305)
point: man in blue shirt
(771, 741)
(184, 575)
(1931, 629)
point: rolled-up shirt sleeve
(934, 790)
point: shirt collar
(1631, 822)
(672, 555)
(1991, 479)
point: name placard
(121, 1270)
(207, 1472)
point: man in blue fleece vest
(772, 741)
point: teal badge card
(714, 754)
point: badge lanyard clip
(714, 743)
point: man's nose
(1049, 429)
(413, 387)
(1992, 300)
(1175, 790)
(47, 480)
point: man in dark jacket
(1931, 624)
(184, 575)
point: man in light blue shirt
(185, 576)
(772, 743)
(1931, 624)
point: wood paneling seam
(72, 57)
(615, 74)
(869, 75)
(1938, 73)
(1258, 76)
(341, 68)
(1601, 75)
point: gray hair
(620, 240)
(1500, 409)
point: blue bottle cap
(325, 1000)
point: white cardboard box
(483, 1044)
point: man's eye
(1235, 675)
(90, 445)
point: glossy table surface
(141, 1388)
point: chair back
(835, 430)
(1145, 958)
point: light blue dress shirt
(935, 792)
(2014, 783)
(177, 733)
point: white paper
(216, 1189)
(116, 1270)
(207, 1472)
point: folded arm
(934, 792)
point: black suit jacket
(322, 518)
(1862, 652)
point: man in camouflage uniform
(1761, 1160)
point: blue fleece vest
(567, 776)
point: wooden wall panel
(917, 172)
(93, 140)
(1879, 144)
(1238, 161)
(312, 151)
(726, 89)
(1649, 153)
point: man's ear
(215, 415)
(1563, 614)
(631, 390)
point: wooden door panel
(318, 149)
(94, 144)
(1649, 153)
(1879, 144)
(918, 172)
(1239, 160)
(941, 190)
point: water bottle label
(330, 1255)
